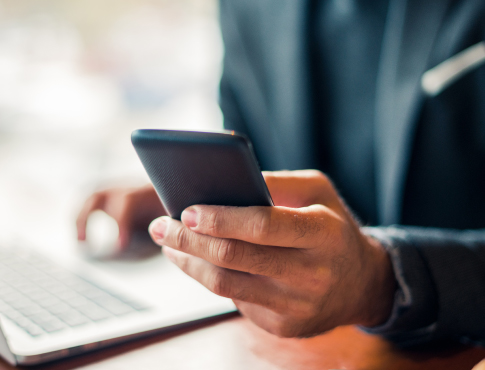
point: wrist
(381, 286)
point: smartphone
(214, 168)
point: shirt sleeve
(441, 284)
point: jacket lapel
(411, 30)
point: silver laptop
(54, 305)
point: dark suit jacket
(430, 151)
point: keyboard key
(31, 310)
(38, 294)
(33, 274)
(20, 283)
(58, 308)
(67, 295)
(73, 318)
(138, 306)
(72, 280)
(14, 296)
(33, 330)
(13, 315)
(113, 305)
(20, 320)
(77, 300)
(21, 302)
(47, 322)
(31, 290)
(19, 267)
(56, 289)
(92, 293)
(42, 317)
(10, 277)
(46, 282)
(81, 286)
(52, 326)
(48, 301)
(6, 289)
(4, 306)
(29, 327)
(94, 312)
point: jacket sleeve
(441, 284)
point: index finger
(279, 226)
(227, 253)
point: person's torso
(445, 179)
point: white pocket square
(444, 74)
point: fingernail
(190, 217)
(158, 228)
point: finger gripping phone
(188, 168)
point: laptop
(55, 303)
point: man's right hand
(297, 269)
(132, 208)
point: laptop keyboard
(41, 297)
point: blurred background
(76, 77)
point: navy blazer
(430, 150)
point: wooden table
(236, 344)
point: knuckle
(316, 173)
(262, 225)
(214, 222)
(268, 264)
(281, 268)
(319, 175)
(220, 284)
(321, 179)
(304, 225)
(180, 239)
(242, 295)
(227, 251)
